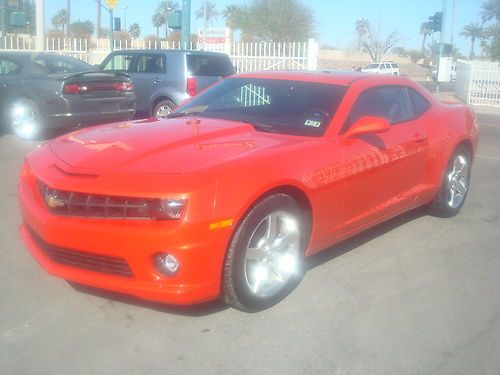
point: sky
(335, 19)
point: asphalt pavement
(416, 295)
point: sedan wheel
(455, 186)
(265, 258)
(25, 120)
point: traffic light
(117, 24)
(436, 22)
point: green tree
(425, 31)
(134, 30)
(490, 42)
(472, 31)
(490, 10)
(362, 30)
(60, 19)
(81, 29)
(158, 21)
(275, 21)
(229, 14)
(212, 13)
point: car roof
(168, 51)
(343, 78)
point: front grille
(66, 203)
(88, 261)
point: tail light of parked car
(83, 88)
(191, 86)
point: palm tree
(158, 21)
(212, 13)
(229, 14)
(425, 30)
(363, 30)
(163, 9)
(491, 10)
(472, 31)
(60, 19)
(134, 30)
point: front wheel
(163, 108)
(455, 185)
(264, 262)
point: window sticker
(312, 123)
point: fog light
(166, 264)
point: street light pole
(125, 17)
(186, 23)
(441, 44)
(40, 25)
(204, 23)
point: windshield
(279, 106)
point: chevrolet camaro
(229, 196)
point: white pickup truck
(385, 67)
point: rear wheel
(265, 258)
(455, 185)
(25, 119)
(163, 108)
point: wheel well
(468, 145)
(298, 196)
(159, 99)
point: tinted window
(119, 62)
(9, 68)
(387, 102)
(209, 65)
(372, 66)
(290, 107)
(56, 64)
(395, 66)
(419, 104)
(153, 63)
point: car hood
(179, 145)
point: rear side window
(209, 65)
(119, 62)
(387, 102)
(151, 63)
(9, 68)
(53, 65)
(419, 104)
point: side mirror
(367, 125)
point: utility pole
(40, 25)
(98, 23)
(441, 43)
(68, 15)
(453, 15)
(204, 24)
(186, 23)
(125, 18)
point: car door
(10, 79)
(383, 171)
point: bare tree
(377, 46)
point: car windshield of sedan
(270, 105)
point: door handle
(157, 80)
(5, 85)
(419, 137)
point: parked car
(165, 78)
(40, 91)
(386, 67)
(229, 195)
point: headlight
(169, 209)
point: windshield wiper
(182, 114)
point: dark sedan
(41, 91)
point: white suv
(385, 67)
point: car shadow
(362, 238)
(217, 306)
(202, 309)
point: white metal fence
(245, 56)
(478, 83)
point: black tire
(443, 204)
(25, 120)
(236, 284)
(163, 108)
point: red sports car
(228, 196)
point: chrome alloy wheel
(272, 254)
(163, 111)
(457, 181)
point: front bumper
(199, 250)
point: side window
(151, 63)
(387, 102)
(119, 62)
(9, 68)
(419, 104)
